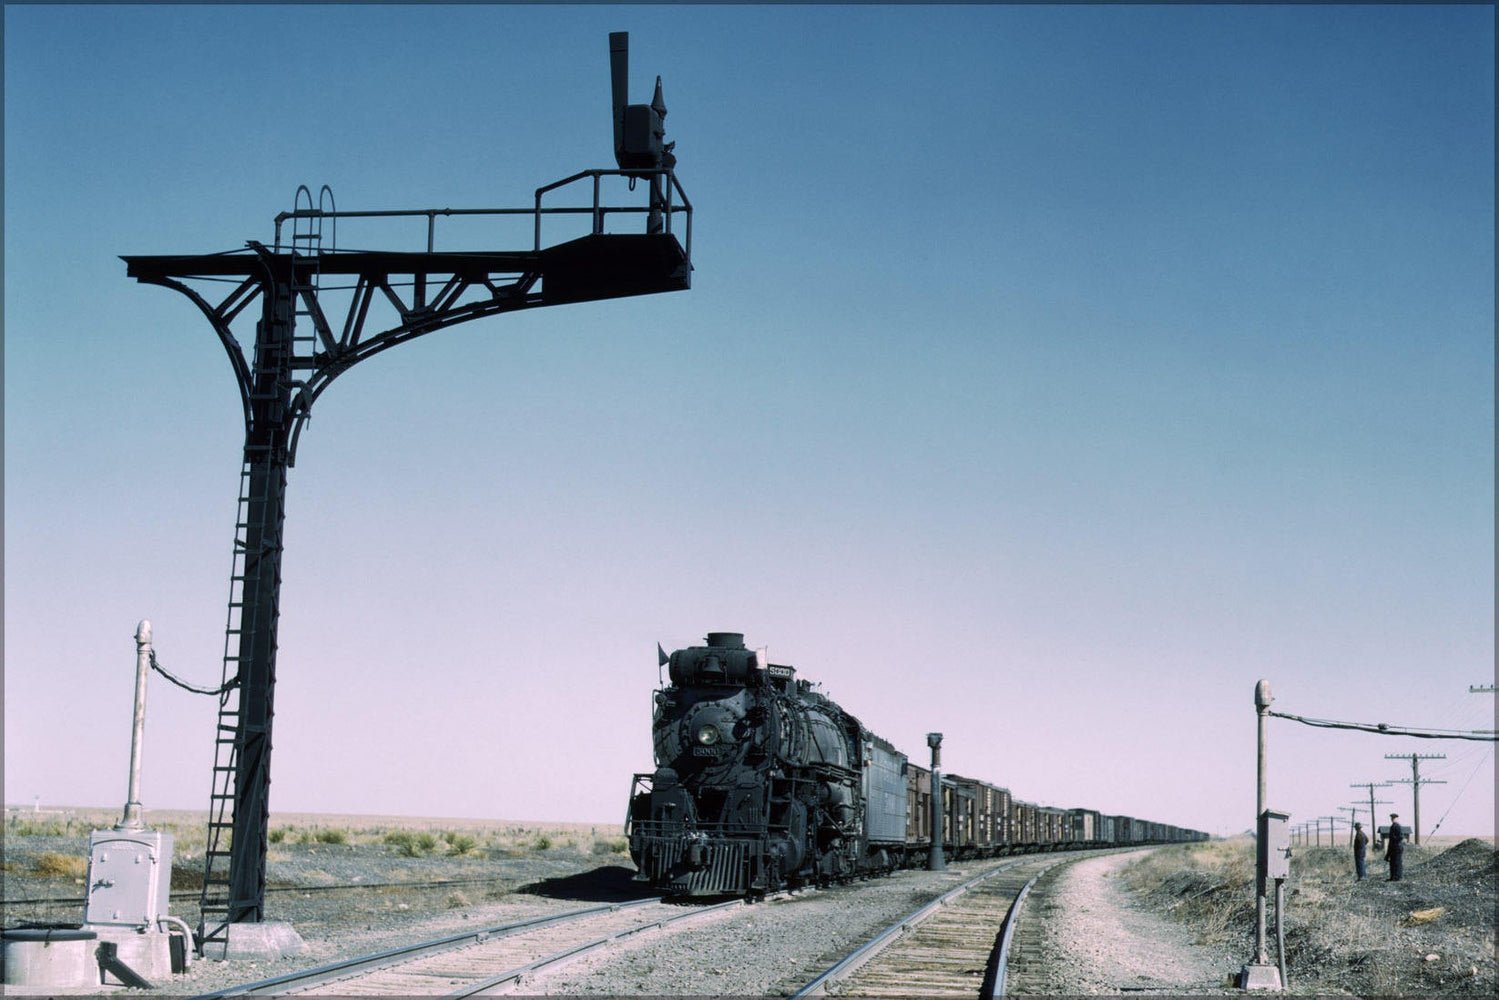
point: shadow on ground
(610, 884)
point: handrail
(674, 202)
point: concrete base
(147, 953)
(1260, 977)
(263, 942)
(50, 960)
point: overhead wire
(1459, 795)
(230, 683)
(1385, 729)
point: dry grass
(1209, 886)
(1372, 938)
(189, 829)
(403, 836)
(51, 864)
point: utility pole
(1272, 850)
(1416, 781)
(1262, 700)
(1371, 785)
(1373, 820)
(1332, 829)
(1350, 820)
(1481, 689)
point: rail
(851, 962)
(995, 986)
(394, 959)
(575, 951)
(396, 956)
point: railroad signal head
(639, 129)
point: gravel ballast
(1096, 938)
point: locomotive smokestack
(726, 640)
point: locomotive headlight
(708, 735)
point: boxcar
(958, 822)
(918, 807)
(1053, 832)
(1024, 817)
(885, 797)
(988, 815)
(1085, 826)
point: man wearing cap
(1394, 851)
(1360, 845)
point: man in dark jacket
(1394, 850)
(1360, 845)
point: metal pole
(132, 819)
(935, 861)
(1280, 930)
(1258, 973)
(1262, 700)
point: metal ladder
(307, 240)
(215, 903)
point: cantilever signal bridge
(301, 343)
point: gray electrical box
(1275, 845)
(129, 877)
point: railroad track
(958, 945)
(490, 961)
(949, 947)
(1020, 966)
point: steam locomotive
(762, 783)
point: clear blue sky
(1050, 375)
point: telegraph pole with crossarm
(1416, 781)
(1371, 785)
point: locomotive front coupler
(694, 849)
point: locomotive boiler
(760, 781)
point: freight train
(763, 783)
